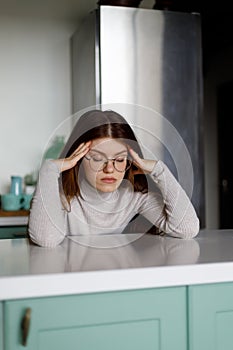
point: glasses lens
(98, 163)
(121, 164)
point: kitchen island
(157, 292)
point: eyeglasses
(98, 162)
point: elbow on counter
(194, 228)
(192, 233)
(44, 235)
(188, 231)
(45, 240)
(44, 243)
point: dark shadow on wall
(183, 92)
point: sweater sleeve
(47, 219)
(171, 210)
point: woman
(101, 183)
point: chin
(107, 188)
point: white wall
(35, 89)
(35, 78)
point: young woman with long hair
(101, 184)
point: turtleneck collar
(106, 200)
(92, 195)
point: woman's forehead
(108, 144)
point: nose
(109, 167)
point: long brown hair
(92, 125)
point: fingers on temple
(82, 148)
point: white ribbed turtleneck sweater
(100, 213)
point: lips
(108, 180)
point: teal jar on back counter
(16, 185)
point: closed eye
(98, 158)
(120, 159)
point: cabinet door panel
(132, 320)
(1, 326)
(120, 335)
(211, 317)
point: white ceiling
(57, 9)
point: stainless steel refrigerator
(147, 65)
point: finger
(136, 159)
(133, 153)
(82, 148)
(71, 161)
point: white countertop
(115, 262)
(13, 221)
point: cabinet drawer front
(133, 320)
(211, 317)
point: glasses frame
(113, 162)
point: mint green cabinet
(211, 317)
(125, 320)
(1, 326)
(198, 317)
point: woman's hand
(143, 165)
(71, 161)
